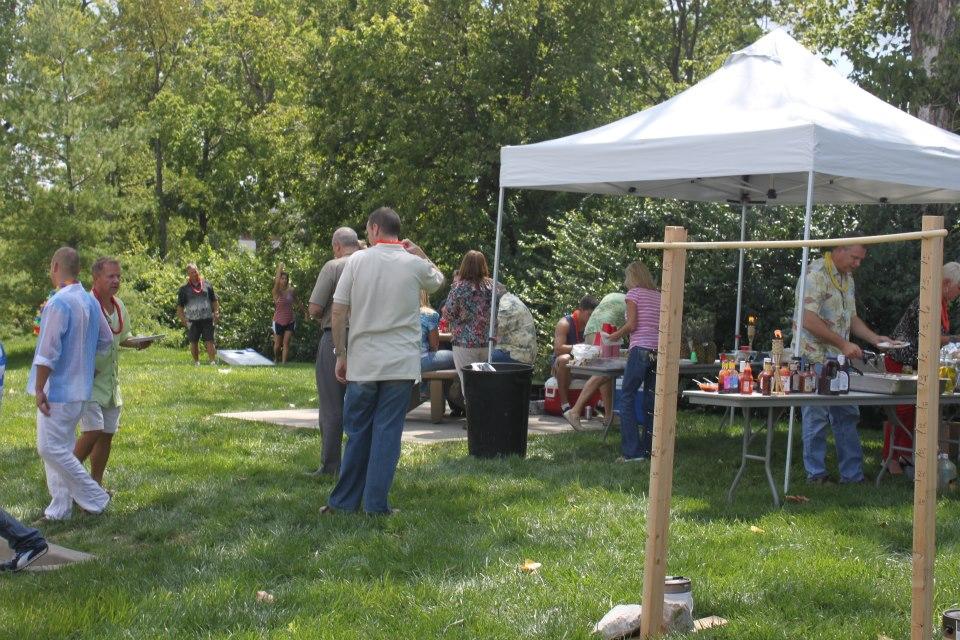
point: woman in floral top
(468, 310)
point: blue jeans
(639, 371)
(435, 361)
(844, 421)
(20, 537)
(373, 415)
(499, 355)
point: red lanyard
(389, 241)
(116, 307)
(198, 289)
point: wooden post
(925, 435)
(664, 432)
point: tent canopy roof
(754, 128)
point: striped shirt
(646, 332)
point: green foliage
(210, 510)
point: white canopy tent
(774, 123)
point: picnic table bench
(437, 400)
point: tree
(933, 31)
(68, 139)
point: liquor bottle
(765, 379)
(746, 378)
(828, 372)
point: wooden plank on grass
(708, 623)
(664, 432)
(925, 435)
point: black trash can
(498, 407)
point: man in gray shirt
(329, 390)
(379, 291)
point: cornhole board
(55, 558)
(243, 358)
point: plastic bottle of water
(946, 472)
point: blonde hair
(425, 300)
(637, 275)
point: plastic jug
(946, 473)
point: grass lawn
(208, 511)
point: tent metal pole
(743, 252)
(799, 321)
(496, 279)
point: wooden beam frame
(674, 249)
(925, 434)
(664, 432)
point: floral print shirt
(516, 331)
(836, 307)
(468, 312)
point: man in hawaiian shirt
(829, 318)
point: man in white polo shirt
(379, 291)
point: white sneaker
(573, 419)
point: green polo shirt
(106, 384)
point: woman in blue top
(432, 358)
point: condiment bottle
(785, 378)
(842, 381)
(746, 378)
(796, 376)
(765, 379)
(722, 376)
(733, 380)
(810, 380)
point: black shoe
(25, 558)
(824, 480)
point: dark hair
(474, 268)
(387, 219)
(588, 303)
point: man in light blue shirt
(72, 332)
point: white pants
(464, 356)
(67, 480)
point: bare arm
(560, 346)
(43, 373)
(816, 326)
(434, 338)
(315, 311)
(181, 315)
(860, 329)
(276, 281)
(630, 323)
(216, 310)
(339, 313)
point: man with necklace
(829, 318)
(199, 310)
(101, 416)
(72, 331)
(379, 292)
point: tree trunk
(932, 22)
(162, 213)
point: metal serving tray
(889, 383)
